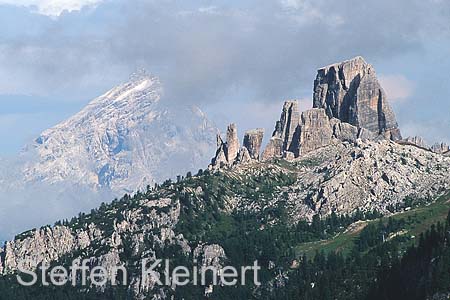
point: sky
(237, 60)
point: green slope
(416, 221)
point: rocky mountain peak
(122, 139)
(351, 92)
(349, 104)
(140, 74)
(232, 142)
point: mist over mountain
(119, 143)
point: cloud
(53, 8)
(41, 204)
(397, 87)
(213, 53)
(201, 51)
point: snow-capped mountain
(123, 140)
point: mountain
(128, 138)
(351, 92)
(123, 140)
(326, 209)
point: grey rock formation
(228, 153)
(417, 141)
(244, 156)
(287, 125)
(344, 131)
(314, 129)
(210, 255)
(286, 136)
(221, 155)
(273, 149)
(232, 143)
(440, 148)
(372, 175)
(253, 141)
(349, 133)
(313, 132)
(350, 91)
(343, 177)
(49, 244)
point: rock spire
(229, 153)
(349, 104)
(351, 92)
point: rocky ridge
(439, 148)
(417, 141)
(349, 104)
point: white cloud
(296, 4)
(53, 8)
(397, 87)
(305, 11)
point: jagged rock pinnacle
(350, 91)
(232, 143)
(349, 104)
(252, 142)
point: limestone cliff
(351, 92)
(252, 142)
(286, 127)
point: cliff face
(350, 91)
(286, 127)
(115, 141)
(252, 142)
